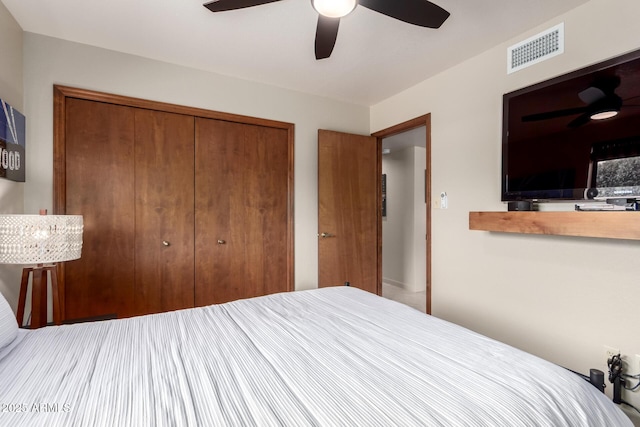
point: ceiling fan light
(602, 115)
(334, 8)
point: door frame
(424, 120)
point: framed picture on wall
(12, 143)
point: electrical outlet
(609, 352)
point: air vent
(536, 49)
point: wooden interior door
(243, 233)
(164, 211)
(98, 156)
(349, 203)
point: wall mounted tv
(575, 137)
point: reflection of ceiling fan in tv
(417, 12)
(601, 103)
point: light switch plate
(443, 200)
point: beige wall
(404, 228)
(419, 242)
(558, 297)
(561, 298)
(49, 61)
(11, 193)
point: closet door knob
(164, 242)
(221, 242)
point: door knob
(221, 242)
(164, 242)
(325, 235)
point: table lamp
(42, 240)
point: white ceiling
(413, 138)
(375, 56)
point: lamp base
(39, 287)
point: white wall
(398, 166)
(11, 193)
(403, 230)
(562, 298)
(418, 237)
(48, 61)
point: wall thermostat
(443, 200)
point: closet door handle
(165, 243)
(325, 235)
(221, 242)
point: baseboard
(394, 283)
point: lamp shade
(40, 239)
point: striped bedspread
(327, 357)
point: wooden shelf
(611, 225)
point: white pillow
(8, 323)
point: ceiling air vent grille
(536, 49)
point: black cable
(635, 387)
(615, 367)
(636, 377)
(615, 377)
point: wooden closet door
(242, 222)
(164, 211)
(266, 195)
(99, 182)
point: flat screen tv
(575, 137)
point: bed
(327, 357)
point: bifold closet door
(99, 184)
(129, 172)
(164, 211)
(241, 227)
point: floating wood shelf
(611, 225)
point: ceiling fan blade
(554, 114)
(582, 119)
(224, 5)
(417, 12)
(326, 34)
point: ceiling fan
(601, 103)
(417, 12)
